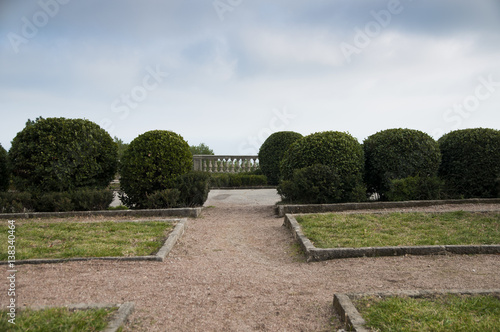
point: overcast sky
(228, 73)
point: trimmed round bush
(398, 154)
(4, 170)
(470, 163)
(339, 151)
(271, 152)
(59, 154)
(151, 163)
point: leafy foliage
(151, 163)
(4, 170)
(247, 179)
(201, 149)
(471, 162)
(193, 188)
(415, 188)
(271, 152)
(58, 154)
(397, 154)
(341, 152)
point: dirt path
(236, 269)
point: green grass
(443, 313)
(77, 239)
(401, 229)
(57, 319)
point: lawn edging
(282, 210)
(118, 319)
(314, 254)
(350, 316)
(160, 256)
(176, 212)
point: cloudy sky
(230, 72)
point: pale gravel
(236, 269)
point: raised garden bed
(447, 310)
(125, 241)
(410, 234)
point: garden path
(236, 269)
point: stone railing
(225, 164)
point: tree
(201, 149)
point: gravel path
(236, 269)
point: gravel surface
(237, 269)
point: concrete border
(177, 212)
(353, 320)
(314, 254)
(281, 210)
(160, 256)
(118, 319)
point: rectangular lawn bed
(331, 235)
(51, 242)
(420, 311)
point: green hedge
(79, 200)
(4, 170)
(151, 163)
(471, 163)
(397, 154)
(234, 180)
(339, 151)
(416, 188)
(271, 152)
(58, 154)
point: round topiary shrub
(271, 152)
(470, 163)
(151, 163)
(397, 154)
(58, 154)
(340, 151)
(4, 170)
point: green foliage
(194, 188)
(415, 188)
(397, 154)
(58, 154)
(121, 147)
(151, 163)
(91, 199)
(161, 199)
(16, 202)
(339, 151)
(229, 180)
(201, 149)
(471, 162)
(4, 170)
(272, 151)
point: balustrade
(225, 164)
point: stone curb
(178, 212)
(118, 319)
(160, 256)
(314, 254)
(281, 210)
(353, 321)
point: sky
(228, 73)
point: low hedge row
(78, 200)
(234, 180)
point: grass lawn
(57, 319)
(38, 239)
(401, 229)
(443, 313)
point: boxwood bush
(234, 180)
(398, 154)
(471, 162)
(58, 154)
(151, 163)
(271, 152)
(4, 170)
(339, 151)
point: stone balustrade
(225, 164)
